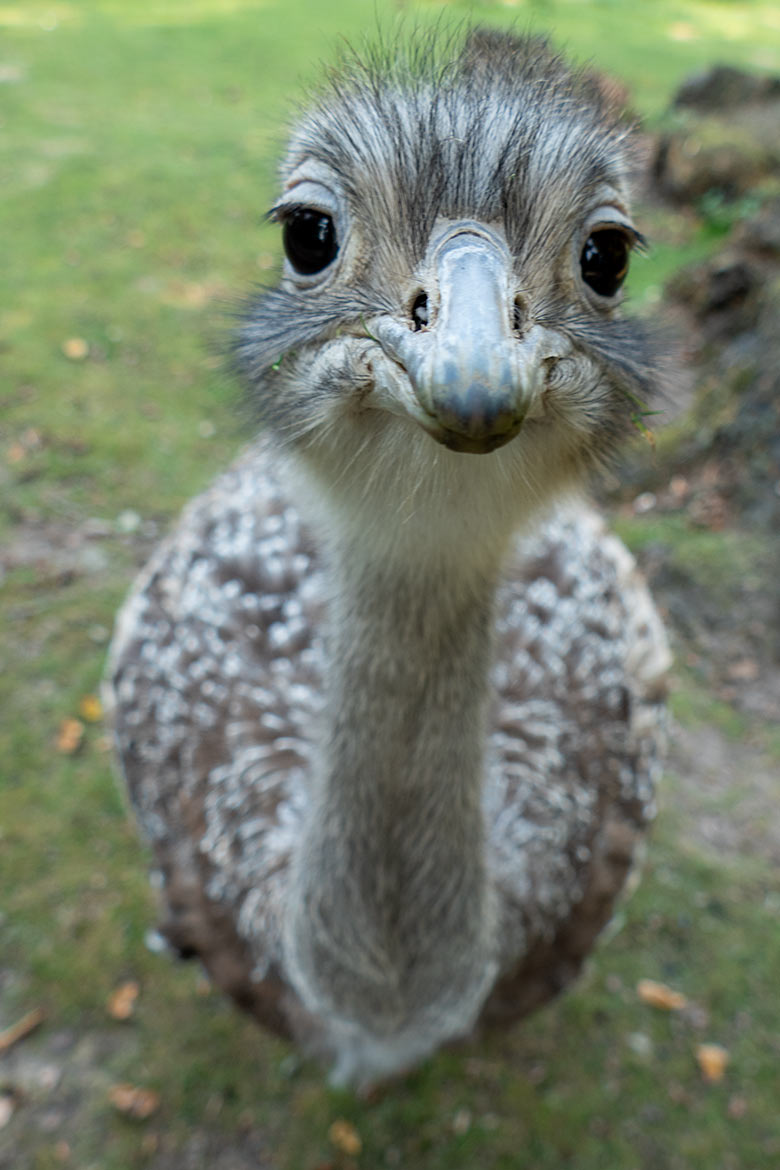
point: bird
(389, 699)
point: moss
(719, 562)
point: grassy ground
(136, 160)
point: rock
(760, 234)
(723, 87)
(727, 155)
(722, 138)
(716, 469)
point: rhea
(389, 699)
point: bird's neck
(391, 906)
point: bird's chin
(470, 444)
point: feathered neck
(390, 923)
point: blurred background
(138, 147)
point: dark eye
(604, 260)
(309, 240)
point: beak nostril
(420, 311)
(518, 316)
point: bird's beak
(471, 376)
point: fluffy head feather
(495, 129)
(498, 128)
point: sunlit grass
(137, 157)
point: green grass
(718, 561)
(137, 158)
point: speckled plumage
(273, 786)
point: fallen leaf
(188, 294)
(134, 1101)
(121, 1003)
(345, 1137)
(744, 670)
(680, 31)
(75, 348)
(91, 709)
(8, 1103)
(48, 1076)
(461, 1122)
(23, 1028)
(9, 74)
(645, 502)
(69, 736)
(128, 521)
(679, 1094)
(29, 440)
(737, 1107)
(641, 1044)
(712, 1060)
(658, 995)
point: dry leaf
(69, 736)
(345, 1137)
(712, 1060)
(134, 1101)
(91, 709)
(737, 1107)
(680, 31)
(744, 670)
(658, 995)
(29, 441)
(679, 1094)
(75, 348)
(8, 1103)
(121, 1003)
(461, 1122)
(23, 1028)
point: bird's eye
(309, 239)
(604, 260)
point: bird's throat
(390, 909)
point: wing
(575, 751)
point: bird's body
(389, 715)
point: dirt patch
(58, 1084)
(723, 793)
